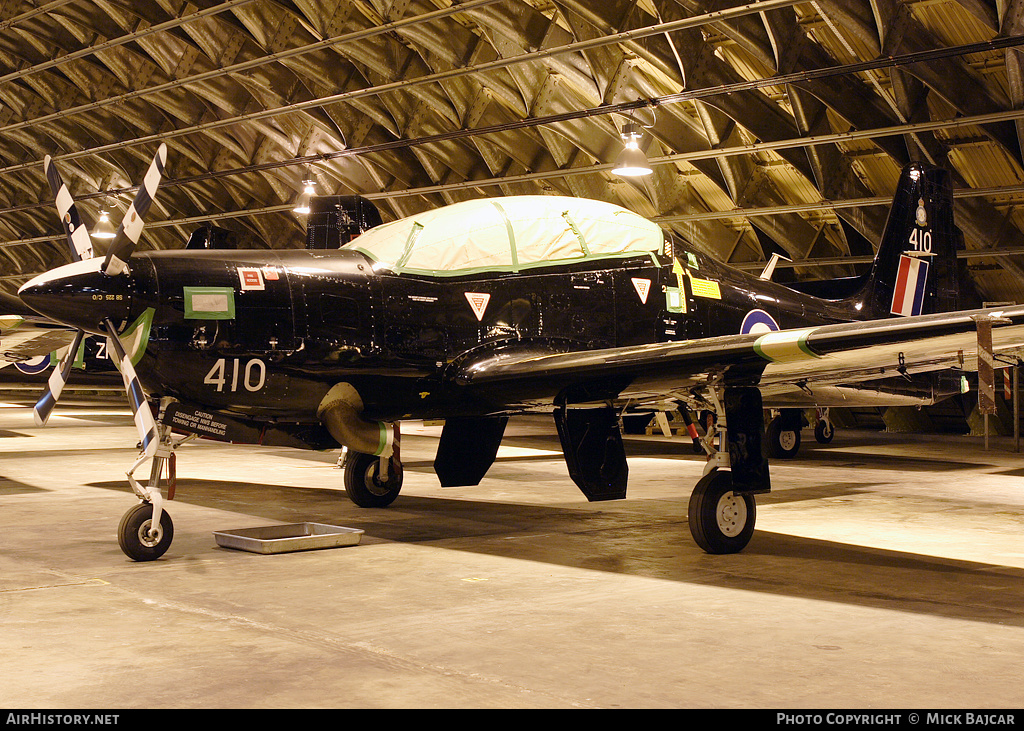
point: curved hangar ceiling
(774, 126)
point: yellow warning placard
(704, 287)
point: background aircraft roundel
(35, 365)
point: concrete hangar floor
(887, 571)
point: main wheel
(782, 442)
(136, 537)
(363, 484)
(824, 432)
(720, 520)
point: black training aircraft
(487, 308)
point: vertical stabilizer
(915, 268)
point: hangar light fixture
(103, 228)
(302, 206)
(632, 161)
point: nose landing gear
(146, 531)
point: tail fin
(915, 269)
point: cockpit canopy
(508, 234)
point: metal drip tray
(286, 538)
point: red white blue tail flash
(911, 279)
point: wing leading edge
(829, 354)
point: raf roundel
(758, 321)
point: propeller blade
(79, 240)
(128, 233)
(144, 421)
(54, 387)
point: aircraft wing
(22, 339)
(840, 353)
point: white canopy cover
(508, 234)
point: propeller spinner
(80, 295)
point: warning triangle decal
(643, 287)
(478, 301)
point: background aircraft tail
(916, 270)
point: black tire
(824, 432)
(782, 443)
(363, 486)
(133, 533)
(720, 521)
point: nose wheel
(139, 538)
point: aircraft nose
(80, 295)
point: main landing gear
(466, 450)
(371, 481)
(721, 520)
(722, 510)
(824, 431)
(782, 437)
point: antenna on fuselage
(770, 267)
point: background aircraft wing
(25, 335)
(828, 354)
(22, 339)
